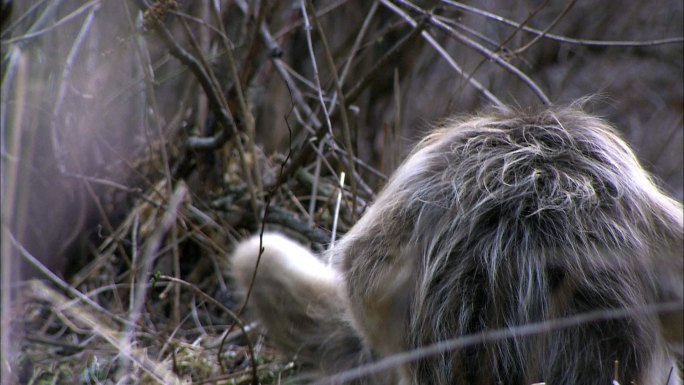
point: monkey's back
(507, 220)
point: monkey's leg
(301, 302)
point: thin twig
(442, 52)
(566, 39)
(269, 197)
(321, 12)
(495, 57)
(380, 65)
(336, 214)
(346, 130)
(24, 16)
(275, 53)
(142, 269)
(314, 185)
(64, 82)
(344, 105)
(248, 68)
(219, 305)
(355, 48)
(546, 30)
(455, 24)
(217, 101)
(314, 67)
(146, 62)
(78, 11)
(396, 129)
(222, 114)
(245, 112)
(501, 46)
(9, 189)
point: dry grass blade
(156, 370)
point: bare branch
(566, 39)
(346, 131)
(482, 50)
(431, 40)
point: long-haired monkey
(494, 221)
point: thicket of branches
(142, 139)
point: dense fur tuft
(493, 221)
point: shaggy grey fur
(496, 220)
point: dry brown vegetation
(141, 139)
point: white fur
(294, 265)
